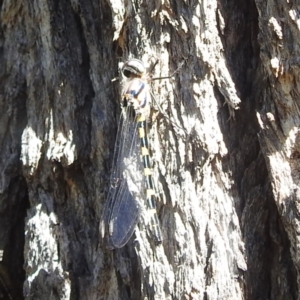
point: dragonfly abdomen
(150, 192)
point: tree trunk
(225, 149)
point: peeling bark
(225, 149)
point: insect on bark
(128, 187)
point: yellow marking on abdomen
(142, 132)
(145, 151)
(149, 193)
(147, 171)
(141, 118)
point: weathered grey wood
(278, 119)
(225, 158)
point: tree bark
(225, 149)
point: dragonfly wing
(124, 217)
(122, 210)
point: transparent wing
(122, 210)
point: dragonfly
(128, 187)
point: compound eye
(134, 68)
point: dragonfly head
(134, 68)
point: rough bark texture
(226, 159)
